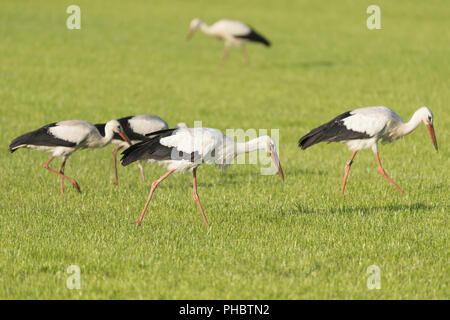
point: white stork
(234, 33)
(64, 138)
(362, 128)
(187, 148)
(135, 127)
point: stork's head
(195, 24)
(115, 127)
(271, 148)
(426, 116)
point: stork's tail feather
(333, 131)
(314, 136)
(135, 152)
(256, 37)
(263, 40)
(19, 142)
(148, 149)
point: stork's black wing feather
(333, 131)
(161, 132)
(126, 128)
(39, 137)
(151, 148)
(255, 37)
(101, 128)
(128, 131)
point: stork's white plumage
(233, 33)
(362, 128)
(64, 138)
(136, 128)
(187, 148)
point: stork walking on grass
(362, 128)
(135, 127)
(64, 138)
(233, 33)
(187, 148)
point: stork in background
(64, 138)
(186, 149)
(135, 127)
(362, 128)
(234, 33)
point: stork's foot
(76, 186)
(138, 222)
(383, 173)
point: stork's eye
(429, 118)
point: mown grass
(269, 240)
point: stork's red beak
(433, 136)
(190, 34)
(277, 163)
(124, 137)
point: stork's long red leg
(116, 179)
(245, 55)
(141, 169)
(74, 183)
(63, 165)
(381, 171)
(152, 189)
(197, 200)
(347, 170)
(225, 55)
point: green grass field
(269, 240)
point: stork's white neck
(408, 127)
(260, 143)
(100, 143)
(205, 28)
(109, 134)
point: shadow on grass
(304, 64)
(414, 207)
(316, 64)
(307, 172)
